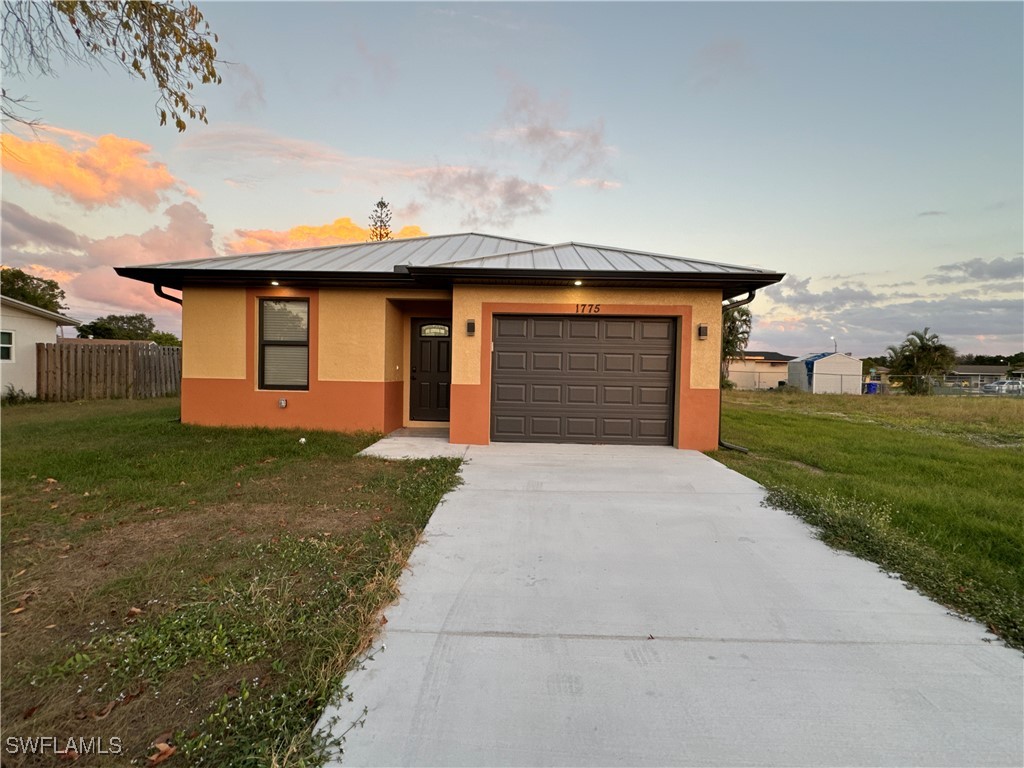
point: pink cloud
(188, 235)
(84, 267)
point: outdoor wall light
(702, 332)
(282, 403)
(577, 282)
(470, 327)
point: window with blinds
(284, 344)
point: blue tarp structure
(809, 362)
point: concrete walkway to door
(598, 605)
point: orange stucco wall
(359, 355)
(357, 370)
(696, 407)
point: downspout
(159, 291)
(721, 442)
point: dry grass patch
(213, 607)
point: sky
(872, 151)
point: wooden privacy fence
(97, 371)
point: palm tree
(920, 357)
(736, 324)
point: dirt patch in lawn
(256, 554)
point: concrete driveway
(597, 605)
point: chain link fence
(832, 383)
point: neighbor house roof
(995, 370)
(446, 259)
(768, 357)
(32, 309)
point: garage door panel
(545, 426)
(616, 428)
(584, 329)
(510, 393)
(620, 330)
(619, 363)
(548, 329)
(577, 394)
(654, 363)
(545, 393)
(586, 380)
(581, 427)
(654, 395)
(655, 330)
(546, 361)
(618, 395)
(510, 427)
(510, 327)
(510, 361)
(652, 428)
(579, 361)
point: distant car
(1004, 387)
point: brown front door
(430, 370)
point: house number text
(588, 309)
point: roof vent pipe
(721, 442)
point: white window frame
(11, 346)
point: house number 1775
(588, 309)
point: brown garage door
(583, 379)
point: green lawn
(202, 588)
(930, 487)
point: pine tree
(380, 221)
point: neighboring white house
(22, 326)
(826, 373)
(759, 370)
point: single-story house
(974, 376)
(22, 326)
(826, 373)
(497, 338)
(759, 370)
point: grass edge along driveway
(171, 589)
(927, 487)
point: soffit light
(577, 282)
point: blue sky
(872, 151)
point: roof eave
(178, 279)
(731, 284)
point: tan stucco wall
(213, 333)
(351, 335)
(467, 303)
(361, 333)
(394, 332)
(757, 374)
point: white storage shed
(826, 373)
